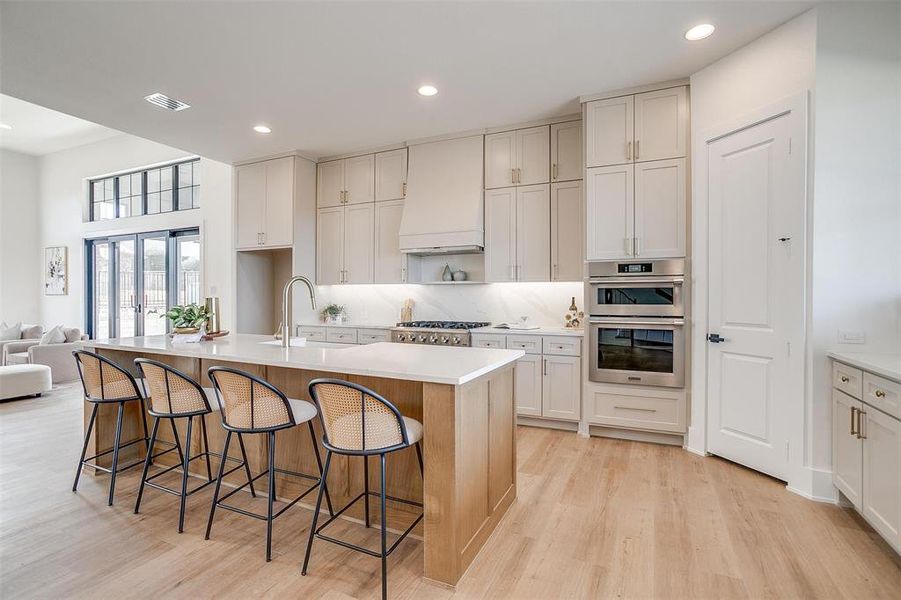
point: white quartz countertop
(539, 331)
(412, 362)
(350, 325)
(884, 365)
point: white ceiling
(331, 77)
(38, 130)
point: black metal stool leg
(143, 410)
(209, 523)
(112, 480)
(206, 448)
(419, 456)
(322, 481)
(271, 496)
(366, 488)
(84, 447)
(306, 558)
(384, 535)
(147, 460)
(184, 477)
(246, 465)
(181, 456)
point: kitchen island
(463, 396)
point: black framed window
(146, 191)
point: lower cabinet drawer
(658, 413)
(847, 379)
(488, 340)
(314, 334)
(342, 335)
(371, 336)
(562, 345)
(883, 394)
(531, 344)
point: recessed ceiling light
(427, 90)
(262, 129)
(164, 101)
(5, 126)
(699, 32)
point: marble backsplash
(544, 303)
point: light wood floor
(595, 518)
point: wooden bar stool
(105, 382)
(174, 395)
(251, 405)
(356, 421)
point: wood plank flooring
(594, 518)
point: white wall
(64, 188)
(21, 279)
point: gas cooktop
(444, 324)
(443, 333)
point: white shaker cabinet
(610, 210)
(390, 262)
(251, 204)
(562, 387)
(661, 124)
(517, 157)
(881, 435)
(265, 204)
(330, 183)
(609, 131)
(500, 234)
(390, 175)
(847, 447)
(566, 151)
(359, 228)
(346, 181)
(661, 190)
(527, 385)
(567, 231)
(330, 246)
(517, 236)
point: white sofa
(56, 356)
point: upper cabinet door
(566, 151)
(532, 155)
(500, 159)
(661, 124)
(329, 183)
(390, 262)
(390, 175)
(279, 230)
(359, 229)
(251, 205)
(567, 231)
(533, 236)
(330, 246)
(660, 197)
(609, 212)
(500, 235)
(608, 136)
(359, 179)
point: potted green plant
(187, 318)
(333, 313)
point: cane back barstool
(356, 421)
(105, 382)
(174, 395)
(251, 405)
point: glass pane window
(155, 298)
(188, 269)
(149, 191)
(166, 178)
(100, 305)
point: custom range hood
(444, 206)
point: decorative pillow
(73, 334)
(10, 333)
(32, 332)
(53, 336)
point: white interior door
(756, 293)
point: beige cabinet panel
(251, 205)
(566, 151)
(329, 183)
(390, 262)
(661, 124)
(330, 246)
(609, 212)
(279, 216)
(660, 205)
(609, 131)
(567, 231)
(500, 159)
(847, 447)
(533, 236)
(359, 179)
(500, 234)
(562, 387)
(532, 155)
(359, 229)
(390, 175)
(527, 385)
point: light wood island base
(469, 453)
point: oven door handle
(632, 280)
(630, 322)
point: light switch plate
(851, 337)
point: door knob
(715, 338)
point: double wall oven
(637, 322)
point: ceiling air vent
(166, 102)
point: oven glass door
(658, 299)
(640, 353)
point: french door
(134, 279)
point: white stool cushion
(302, 410)
(24, 380)
(414, 429)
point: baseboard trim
(821, 488)
(668, 439)
(547, 423)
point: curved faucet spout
(286, 306)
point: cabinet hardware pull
(629, 150)
(554, 172)
(512, 175)
(545, 366)
(637, 142)
(627, 242)
(405, 189)
(637, 246)
(860, 416)
(652, 410)
(403, 272)
(845, 379)
(880, 394)
(853, 417)
(518, 175)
